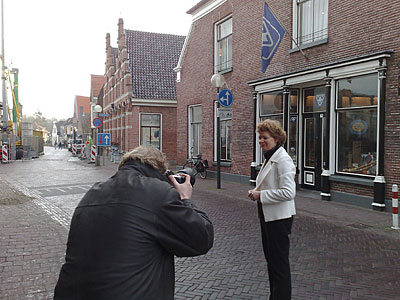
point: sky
(58, 44)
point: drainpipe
(253, 172)
(286, 92)
(325, 184)
(379, 182)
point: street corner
(11, 196)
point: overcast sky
(57, 44)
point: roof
(96, 83)
(197, 6)
(152, 58)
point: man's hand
(184, 189)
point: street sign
(103, 139)
(224, 113)
(225, 97)
(97, 122)
(104, 115)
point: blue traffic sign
(104, 139)
(225, 97)
(97, 122)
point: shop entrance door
(313, 136)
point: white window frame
(337, 110)
(140, 127)
(215, 134)
(217, 63)
(190, 137)
(323, 38)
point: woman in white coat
(275, 191)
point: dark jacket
(123, 237)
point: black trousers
(275, 240)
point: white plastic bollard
(4, 154)
(395, 206)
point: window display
(357, 125)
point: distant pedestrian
(55, 145)
(274, 192)
(59, 145)
(125, 232)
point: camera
(181, 179)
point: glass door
(313, 136)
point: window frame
(226, 136)
(338, 110)
(140, 127)
(190, 123)
(217, 63)
(296, 24)
(262, 117)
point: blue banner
(272, 35)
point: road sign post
(225, 98)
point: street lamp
(217, 81)
(98, 109)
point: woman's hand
(253, 195)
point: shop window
(271, 107)
(358, 91)
(150, 130)
(312, 21)
(223, 46)
(195, 130)
(357, 125)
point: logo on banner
(272, 34)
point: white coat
(277, 187)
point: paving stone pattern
(337, 251)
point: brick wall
(353, 189)
(353, 30)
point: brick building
(337, 98)
(140, 90)
(81, 118)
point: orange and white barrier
(4, 155)
(74, 149)
(93, 153)
(395, 206)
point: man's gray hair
(147, 155)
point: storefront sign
(358, 127)
(320, 99)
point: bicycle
(198, 164)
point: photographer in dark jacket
(125, 232)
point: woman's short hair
(147, 155)
(274, 128)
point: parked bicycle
(198, 164)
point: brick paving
(337, 251)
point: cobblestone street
(337, 251)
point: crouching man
(125, 232)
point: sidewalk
(308, 203)
(338, 251)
